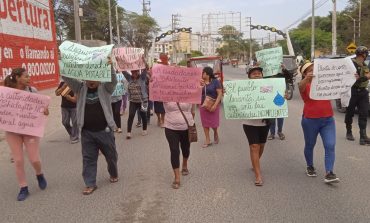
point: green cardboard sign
(85, 63)
(255, 99)
(270, 60)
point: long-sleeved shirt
(105, 91)
(142, 81)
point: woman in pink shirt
(19, 79)
(176, 130)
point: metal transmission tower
(146, 7)
(213, 22)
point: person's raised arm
(111, 86)
(74, 84)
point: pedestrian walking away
(210, 106)
(359, 97)
(176, 131)
(68, 108)
(95, 120)
(117, 101)
(256, 131)
(317, 119)
(138, 98)
(19, 79)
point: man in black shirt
(68, 108)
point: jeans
(91, 143)
(280, 122)
(326, 128)
(68, 116)
(133, 107)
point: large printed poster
(28, 40)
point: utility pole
(175, 25)
(146, 7)
(334, 28)
(359, 21)
(354, 27)
(110, 23)
(313, 31)
(249, 21)
(76, 8)
(117, 22)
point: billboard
(28, 40)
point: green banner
(270, 60)
(85, 63)
(255, 99)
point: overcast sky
(276, 13)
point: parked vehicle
(215, 62)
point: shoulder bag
(208, 101)
(192, 130)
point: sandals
(175, 185)
(217, 141)
(185, 172)
(89, 190)
(258, 183)
(205, 145)
(113, 179)
(281, 136)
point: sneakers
(138, 125)
(331, 178)
(42, 181)
(311, 172)
(23, 194)
(271, 137)
(75, 141)
(144, 133)
(281, 136)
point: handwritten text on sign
(22, 112)
(175, 84)
(128, 58)
(255, 99)
(332, 78)
(270, 60)
(85, 63)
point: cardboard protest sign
(332, 79)
(255, 99)
(85, 63)
(270, 60)
(22, 112)
(175, 84)
(128, 58)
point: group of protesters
(91, 114)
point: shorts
(256, 134)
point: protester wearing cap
(359, 97)
(256, 131)
(317, 119)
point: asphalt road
(220, 187)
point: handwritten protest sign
(120, 88)
(85, 63)
(128, 58)
(175, 84)
(332, 78)
(270, 60)
(22, 112)
(255, 99)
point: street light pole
(334, 28)
(110, 23)
(118, 36)
(359, 20)
(313, 31)
(354, 27)
(76, 8)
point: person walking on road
(210, 108)
(68, 108)
(117, 101)
(158, 105)
(359, 97)
(19, 79)
(317, 119)
(176, 131)
(138, 97)
(95, 120)
(256, 131)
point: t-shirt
(94, 115)
(135, 91)
(174, 119)
(211, 89)
(315, 108)
(66, 103)
(254, 122)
